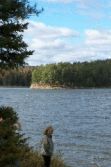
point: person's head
(48, 131)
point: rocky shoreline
(45, 86)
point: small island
(96, 74)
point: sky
(69, 31)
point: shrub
(13, 145)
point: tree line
(86, 74)
(16, 77)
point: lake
(81, 119)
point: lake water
(81, 119)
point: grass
(34, 159)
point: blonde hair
(47, 129)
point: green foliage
(92, 74)
(13, 50)
(13, 145)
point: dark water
(81, 119)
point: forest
(75, 75)
(16, 77)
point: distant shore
(48, 86)
(14, 86)
(45, 86)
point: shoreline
(14, 86)
(45, 86)
(48, 86)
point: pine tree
(13, 13)
(13, 146)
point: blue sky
(69, 31)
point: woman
(47, 146)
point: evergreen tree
(13, 146)
(13, 50)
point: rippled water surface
(81, 119)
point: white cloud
(96, 45)
(45, 31)
(96, 37)
(55, 44)
(47, 41)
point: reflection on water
(81, 119)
